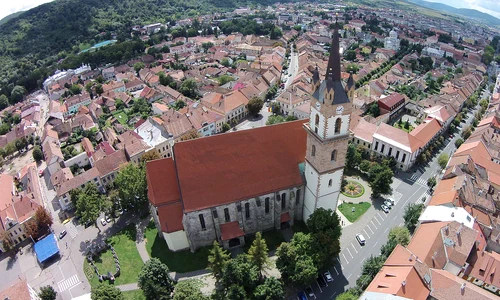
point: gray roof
(339, 96)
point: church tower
(327, 136)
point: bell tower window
(313, 150)
(316, 124)
(334, 155)
(338, 123)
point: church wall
(176, 240)
(312, 120)
(197, 236)
(336, 180)
(344, 129)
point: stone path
(140, 243)
(128, 287)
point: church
(224, 187)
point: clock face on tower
(318, 105)
(339, 110)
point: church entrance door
(234, 242)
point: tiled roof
(163, 186)
(170, 217)
(427, 244)
(230, 231)
(426, 131)
(111, 162)
(392, 99)
(226, 168)
(446, 286)
(397, 137)
(17, 291)
(365, 130)
(78, 181)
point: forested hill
(32, 43)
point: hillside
(11, 16)
(465, 12)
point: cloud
(8, 7)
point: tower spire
(333, 68)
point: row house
(73, 103)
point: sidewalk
(140, 243)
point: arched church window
(334, 155)
(317, 120)
(329, 183)
(338, 123)
(313, 150)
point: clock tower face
(339, 110)
(318, 105)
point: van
(361, 239)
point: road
(407, 188)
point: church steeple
(333, 68)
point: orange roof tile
(230, 231)
(448, 286)
(364, 130)
(229, 167)
(444, 198)
(426, 131)
(170, 216)
(397, 137)
(163, 186)
(18, 291)
(426, 241)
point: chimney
(462, 287)
(404, 283)
(446, 229)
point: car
(62, 234)
(103, 222)
(40, 173)
(361, 239)
(328, 276)
(108, 219)
(384, 208)
(388, 204)
(391, 200)
(267, 104)
(301, 296)
(309, 291)
(321, 281)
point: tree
(75, 89)
(4, 102)
(165, 80)
(99, 89)
(258, 253)
(189, 88)
(254, 105)
(294, 260)
(363, 281)
(37, 153)
(411, 215)
(380, 180)
(373, 110)
(43, 217)
(236, 292)
(31, 228)
(271, 289)
(47, 293)
(305, 271)
(106, 292)
(325, 233)
(20, 144)
(387, 248)
(373, 265)
(347, 296)
(466, 133)
(17, 94)
(132, 185)
(352, 68)
(151, 155)
(223, 79)
(242, 272)
(217, 259)
(155, 281)
(431, 182)
(225, 62)
(350, 55)
(400, 235)
(443, 160)
(188, 290)
(353, 156)
(138, 66)
(88, 204)
(458, 143)
(206, 46)
(225, 127)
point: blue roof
(46, 248)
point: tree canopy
(188, 290)
(132, 186)
(411, 215)
(106, 292)
(89, 202)
(254, 105)
(47, 293)
(155, 281)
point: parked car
(309, 292)
(388, 204)
(321, 281)
(385, 208)
(361, 239)
(62, 234)
(328, 276)
(391, 200)
(103, 222)
(301, 296)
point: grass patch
(134, 295)
(181, 261)
(121, 117)
(402, 127)
(359, 209)
(273, 239)
(300, 226)
(130, 260)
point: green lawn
(130, 260)
(181, 261)
(273, 239)
(121, 117)
(134, 295)
(360, 209)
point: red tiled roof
(405, 140)
(365, 130)
(230, 167)
(426, 131)
(391, 100)
(285, 217)
(230, 231)
(18, 291)
(163, 186)
(170, 217)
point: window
(283, 201)
(404, 157)
(329, 183)
(267, 205)
(297, 199)
(258, 202)
(397, 154)
(358, 142)
(247, 210)
(313, 150)
(202, 222)
(334, 155)
(338, 123)
(238, 207)
(214, 213)
(226, 215)
(376, 146)
(316, 123)
(382, 149)
(390, 151)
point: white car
(361, 239)
(328, 276)
(385, 208)
(103, 222)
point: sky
(491, 7)
(8, 7)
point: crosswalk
(68, 283)
(416, 178)
(71, 229)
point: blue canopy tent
(46, 248)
